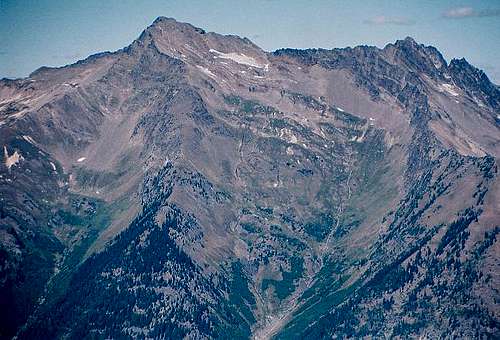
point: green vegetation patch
(320, 227)
(240, 295)
(286, 286)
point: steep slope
(193, 185)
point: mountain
(192, 185)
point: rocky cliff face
(193, 185)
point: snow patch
(288, 136)
(206, 71)
(437, 64)
(238, 58)
(12, 159)
(448, 88)
(478, 102)
(81, 159)
(53, 166)
(339, 109)
(29, 139)
(74, 85)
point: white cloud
(383, 20)
(469, 12)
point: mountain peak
(418, 56)
(460, 62)
(475, 81)
(165, 25)
(406, 41)
(171, 23)
(195, 47)
(170, 37)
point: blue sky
(55, 33)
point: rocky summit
(192, 185)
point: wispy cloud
(384, 20)
(469, 12)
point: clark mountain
(192, 185)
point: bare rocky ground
(192, 185)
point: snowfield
(238, 58)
